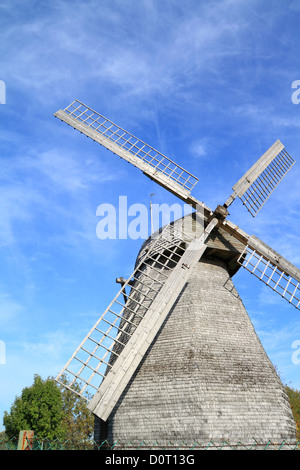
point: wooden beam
(251, 175)
(118, 377)
(262, 248)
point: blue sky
(209, 84)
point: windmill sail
(106, 360)
(256, 186)
(154, 164)
(267, 265)
(94, 357)
(272, 269)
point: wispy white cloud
(203, 147)
(34, 185)
(10, 312)
(158, 54)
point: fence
(56, 444)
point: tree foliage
(78, 420)
(39, 408)
(294, 397)
(51, 411)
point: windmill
(174, 357)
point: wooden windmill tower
(174, 357)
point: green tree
(294, 397)
(77, 419)
(39, 408)
(51, 411)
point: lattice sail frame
(258, 193)
(153, 163)
(256, 186)
(286, 282)
(95, 356)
